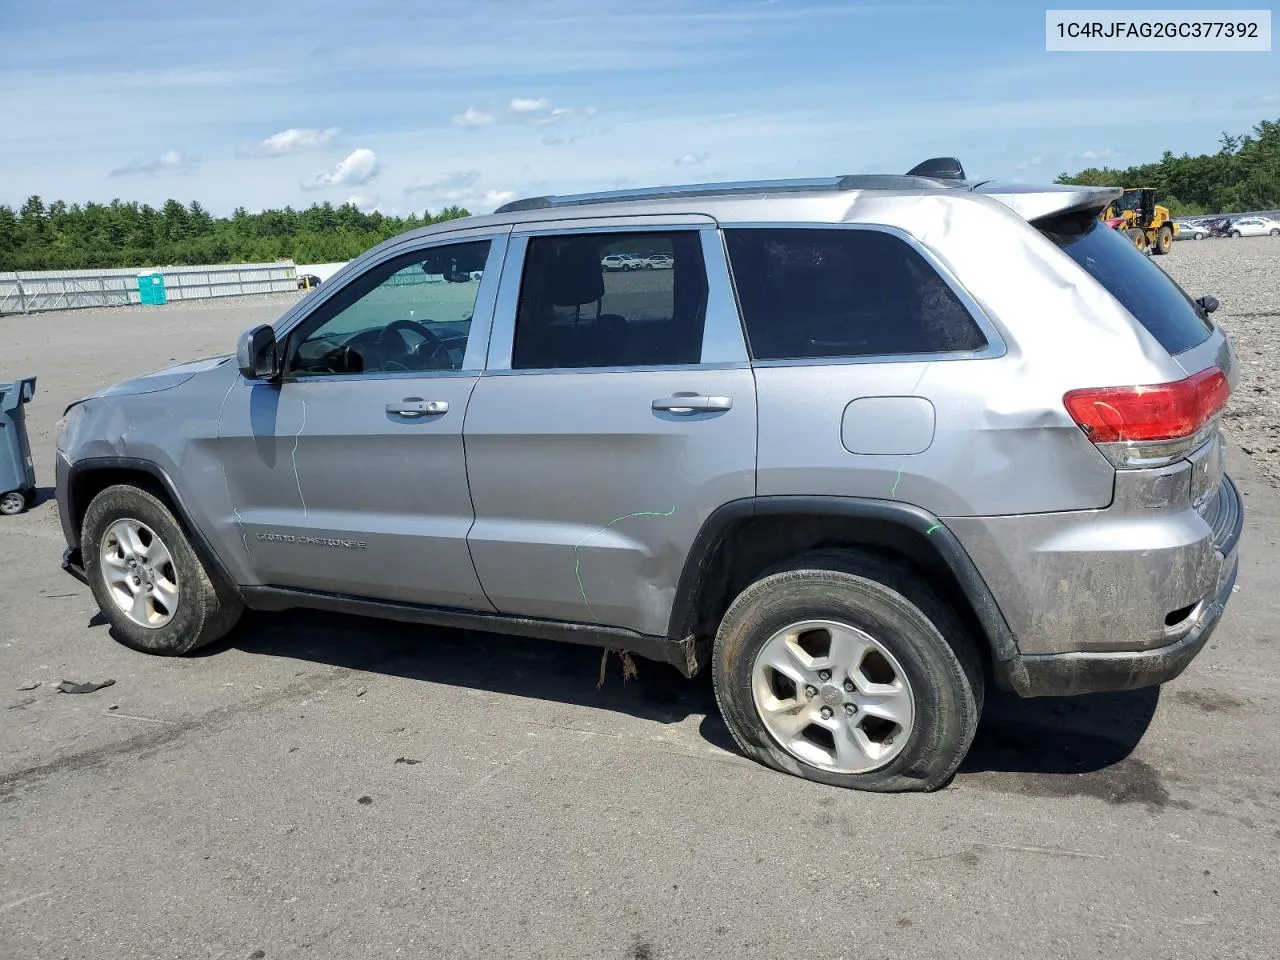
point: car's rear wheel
(13, 503)
(148, 581)
(848, 670)
(1275, 232)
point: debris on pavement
(407, 760)
(360, 691)
(629, 670)
(28, 685)
(365, 801)
(71, 686)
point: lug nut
(810, 692)
(826, 713)
(850, 709)
(824, 676)
(848, 686)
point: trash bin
(151, 289)
(17, 474)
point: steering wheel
(412, 325)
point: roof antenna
(938, 168)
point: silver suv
(871, 445)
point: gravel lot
(325, 787)
(1245, 275)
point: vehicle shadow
(519, 666)
(1059, 735)
(1051, 736)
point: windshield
(1143, 288)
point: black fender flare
(71, 509)
(911, 519)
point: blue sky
(412, 105)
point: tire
(1164, 241)
(13, 503)
(205, 610)
(1275, 232)
(937, 661)
(1235, 233)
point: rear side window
(809, 293)
(1128, 274)
(611, 300)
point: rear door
(616, 411)
(349, 477)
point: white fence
(72, 289)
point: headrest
(572, 275)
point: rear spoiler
(1038, 202)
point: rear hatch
(1142, 426)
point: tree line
(1243, 175)
(62, 236)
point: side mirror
(256, 353)
(1208, 304)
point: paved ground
(320, 787)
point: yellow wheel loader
(1147, 223)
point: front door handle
(417, 407)
(691, 404)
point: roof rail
(944, 176)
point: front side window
(611, 299)
(409, 314)
(810, 293)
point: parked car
(862, 457)
(658, 261)
(621, 261)
(1254, 227)
(1191, 230)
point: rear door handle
(693, 404)
(417, 407)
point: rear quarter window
(836, 292)
(1144, 289)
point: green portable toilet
(151, 288)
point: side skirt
(681, 654)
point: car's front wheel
(846, 669)
(148, 581)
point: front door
(616, 412)
(348, 476)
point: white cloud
(692, 159)
(1089, 155)
(171, 161)
(355, 169)
(495, 198)
(473, 118)
(1028, 164)
(458, 180)
(528, 104)
(363, 203)
(293, 140)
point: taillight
(1150, 424)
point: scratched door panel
(335, 493)
(588, 500)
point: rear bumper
(1070, 674)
